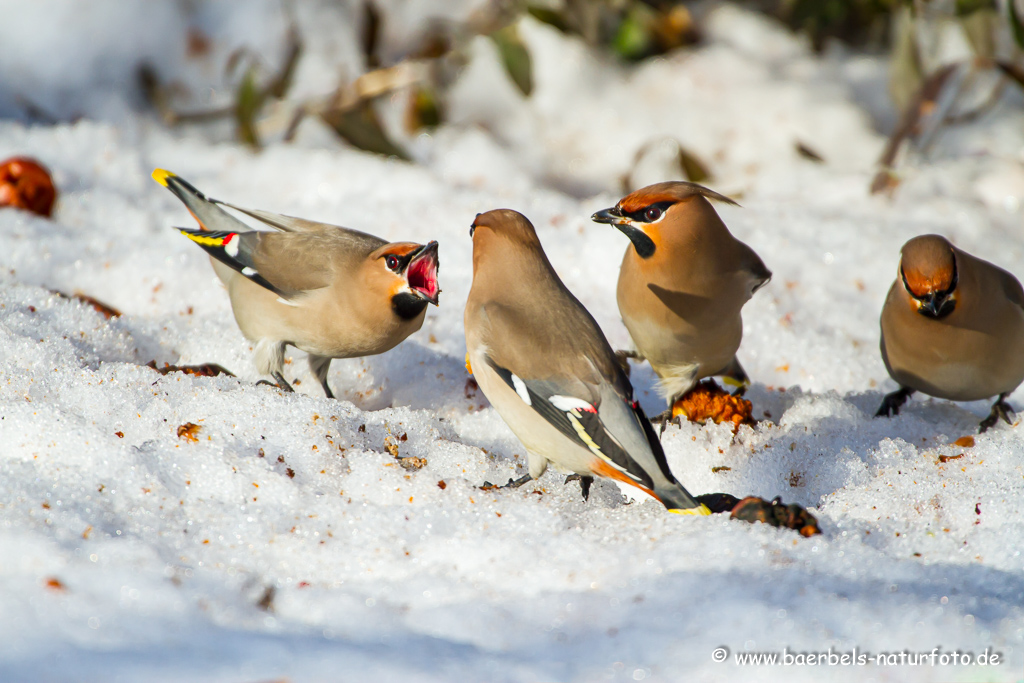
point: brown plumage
(329, 291)
(952, 327)
(545, 366)
(683, 281)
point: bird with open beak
(545, 366)
(953, 328)
(683, 281)
(326, 290)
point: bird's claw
(1000, 409)
(280, 384)
(892, 403)
(585, 483)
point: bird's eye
(391, 261)
(652, 213)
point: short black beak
(641, 242)
(610, 216)
(937, 305)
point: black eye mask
(649, 213)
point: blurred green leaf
(424, 110)
(966, 7)
(855, 22)
(905, 73)
(549, 16)
(361, 127)
(514, 57)
(248, 100)
(370, 34)
(1016, 23)
(981, 28)
(808, 153)
(633, 40)
(278, 87)
(692, 167)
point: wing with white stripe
(592, 422)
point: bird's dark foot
(585, 483)
(327, 390)
(1000, 409)
(662, 419)
(892, 403)
(280, 384)
(511, 484)
(623, 358)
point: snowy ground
(288, 543)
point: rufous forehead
(923, 283)
(644, 198)
(400, 248)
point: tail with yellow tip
(206, 212)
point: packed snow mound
(172, 527)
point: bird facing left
(330, 291)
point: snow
(287, 542)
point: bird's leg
(892, 402)
(585, 483)
(623, 358)
(319, 365)
(1000, 409)
(282, 383)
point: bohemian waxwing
(952, 327)
(682, 284)
(545, 366)
(326, 290)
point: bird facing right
(326, 290)
(953, 328)
(683, 281)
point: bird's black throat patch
(407, 306)
(643, 244)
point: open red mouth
(421, 273)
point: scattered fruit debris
(708, 400)
(26, 184)
(965, 442)
(753, 509)
(106, 310)
(266, 601)
(774, 513)
(204, 370)
(55, 584)
(412, 463)
(188, 431)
